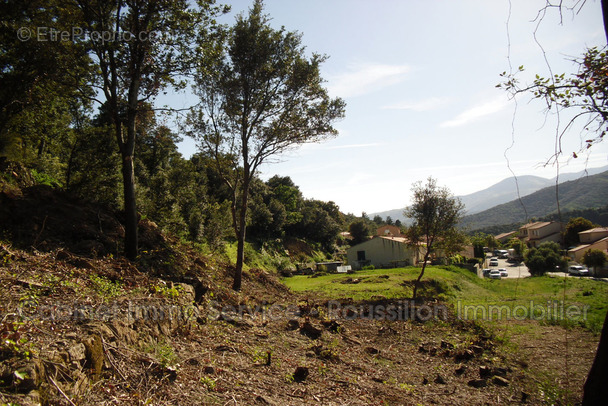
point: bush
(42, 178)
(545, 259)
(368, 268)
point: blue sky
(419, 81)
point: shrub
(368, 268)
(544, 259)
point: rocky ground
(82, 326)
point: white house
(382, 252)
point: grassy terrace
(565, 301)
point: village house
(594, 239)
(505, 237)
(534, 234)
(382, 252)
(389, 231)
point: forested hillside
(99, 134)
(585, 193)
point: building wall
(543, 232)
(589, 237)
(388, 231)
(557, 237)
(381, 252)
(577, 255)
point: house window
(360, 255)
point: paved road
(521, 271)
(514, 270)
(561, 275)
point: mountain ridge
(504, 191)
(582, 193)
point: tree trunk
(417, 283)
(128, 177)
(596, 389)
(240, 260)
(241, 233)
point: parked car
(503, 272)
(486, 272)
(578, 270)
(494, 274)
(493, 262)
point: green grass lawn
(566, 301)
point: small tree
(360, 231)
(260, 97)
(435, 213)
(576, 225)
(518, 246)
(595, 259)
(544, 259)
(378, 220)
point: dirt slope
(84, 326)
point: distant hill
(396, 214)
(503, 191)
(583, 193)
(507, 189)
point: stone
(77, 352)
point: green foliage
(460, 287)
(170, 292)
(208, 382)
(261, 95)
(359, 231)
(13, 340)
(518, 245)
(106, 288)
(435, 213)
(45, 179)
(575, 226)
(585, 92)
(163, 352)
(48, 126)
(368, 268)
(595, 258)
(546, 258)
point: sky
(419, 80)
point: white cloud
(421, 105)
(477, 112)
(366, 78)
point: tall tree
(261, 97)
(435, 213)
(39, 75)
(360, 231)
(576, 225)
(140, 47)
(595, 259)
